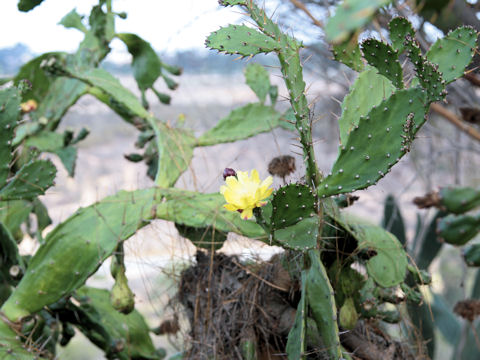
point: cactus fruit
(471, 254)
(385, 59)
(399, 29)
(348, 315)
(368, 91)
(121, 297)
(377, 143)
(459, 200)
(453, 52)
(458, 229)
(31, 180)
(242, 40)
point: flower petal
(230, 207)
(247, 213)
(255, 177)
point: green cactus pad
(291, 204)
(31, 180)
(399, 28)
(9, 111)
(458, 229)
(104, 326)
(431, 80)
(471, 254)
(258, 79)
(205, 238)
(300, 236)
(349, 16)
(242, 123)
(242, 40)
(459, 200)
(297, 336)
(56, 269)
(174, 146)
(11, 347)
(146, 64)
(385, 59)
(175, 151)
(322, 303)
(388, 262)
(368, 90)
(388, 267)
(9, 250)
(349, 54)
(73, 20)
(380, 140)
(110, 85)
(453, 52)
(428, 75)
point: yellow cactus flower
(244, 193)
(28, 106)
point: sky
(167, 25)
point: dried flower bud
(229, 172)
(282, 165)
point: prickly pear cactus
(383, 57)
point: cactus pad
(376, 144)
(368, 90)
(31, 180)
(349, 16)
(296, 337)
(399, 28)
(349, 54)
(242, 123)
(258, 79)
(242, 40)
(300, 236)
(388, 267)
(453, 52)
(385, 59)
(106, 327)
(9, 111)
(458, 230)
(291, 204)
(322, 303)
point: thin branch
(302, 7)
(455, 120)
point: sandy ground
(155, 254)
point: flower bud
(229, 172)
